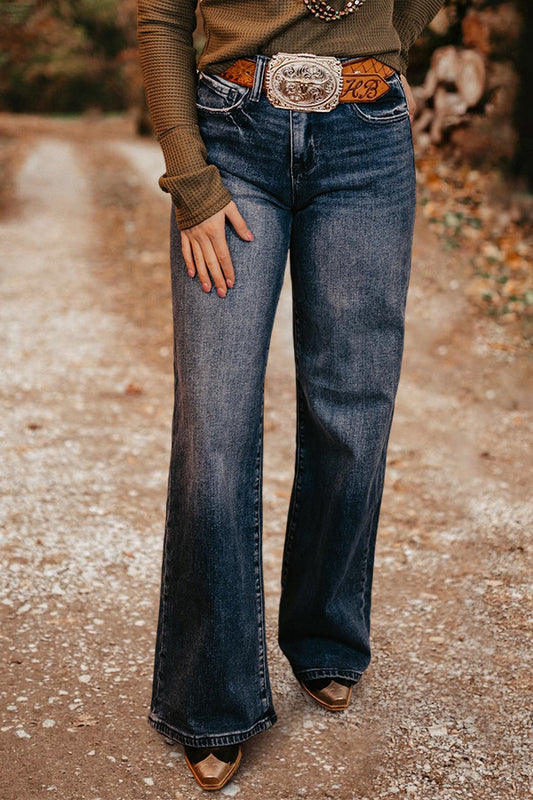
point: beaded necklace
(322, 9)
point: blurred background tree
(65, 56)
(471, 64)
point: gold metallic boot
(334, 696)
(213, 767)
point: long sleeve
(410, 17)
(168, 63)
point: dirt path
(85, 391)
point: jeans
(336, 191)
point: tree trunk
(523, 114)
(481, 50)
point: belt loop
(260, 66)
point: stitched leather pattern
(241, 71)
(369, 65)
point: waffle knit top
(385, 29)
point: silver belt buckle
(304, 81)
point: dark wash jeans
(338, 189)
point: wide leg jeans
(336, 192)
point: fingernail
(249, 236)
(221, 292)
(206, 287)
(229, 283)
(191, 273)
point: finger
(214, 267)
(186, 249)
(238, 222)
(200, 265)
(221, 249)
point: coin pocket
(218, 95)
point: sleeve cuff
(195, 185)
(196, 197)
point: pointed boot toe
(212, 772)
(335, 696)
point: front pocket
(218, 95)
(390, 107)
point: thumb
(238, 222)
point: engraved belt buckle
(304, 81)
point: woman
(294, 128)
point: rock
(438, 730)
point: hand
(204, 248)
(410, 98)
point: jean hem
(218, 740)
(328, 672)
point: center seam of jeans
(375, 518)
(162, 634)
(164, 581)
(291, 157)
(289, 536)
(258, 560)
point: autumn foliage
(66, 56)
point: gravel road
(443, 713)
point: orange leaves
(484, 216)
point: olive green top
(385, 29)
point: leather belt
(307, 82)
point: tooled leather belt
(307, 82)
